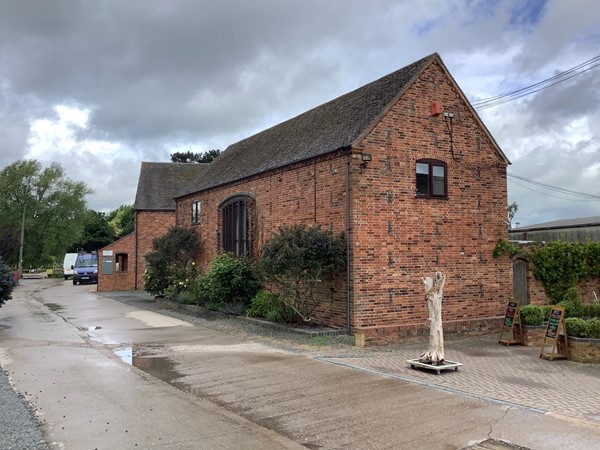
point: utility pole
(22, 242)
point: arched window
(431, 178)
(236, 225)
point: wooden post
(434, 291)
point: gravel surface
(18, 428)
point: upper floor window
(196, 206)
(236, 226)
(431, 178)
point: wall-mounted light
(366, 159)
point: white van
(68, 263)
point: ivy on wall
(558, 265)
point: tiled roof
(334, 125)
(159, 183)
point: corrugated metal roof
(563, 223)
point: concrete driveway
(102, 374)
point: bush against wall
(170, 267)
(560, 266)
(269, 306)
(7, 282)
(228, 285)
(297, 259)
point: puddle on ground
(159, 367)
(54, 306)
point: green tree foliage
(54, 208)
(191, 157)
(6, 282)
(9, 242)
(170, 261)
(122, 220)
(512, 210)
(97, 232)
(296, 259)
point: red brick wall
(399, 238)
(149, 225)
(396, 238)
(310, 193)
(118, 280)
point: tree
(191, 157)
(9, 242)
(512, 210)
(122, 220)
(48, 205)
(97, 232)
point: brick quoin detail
(396, 237)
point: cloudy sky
(100, 86)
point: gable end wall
(398, 238)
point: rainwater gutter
(348, 228)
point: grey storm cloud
(159, 76)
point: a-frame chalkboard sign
(512, 319)
(556, 326)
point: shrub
(546, 311)
(592, 310)
(561, 265)
(577, 327)
(297, 259)
(594, 328)
(531, 315)
(7, 282)
(268, 305)
(169, 265)
(229, 284)
(572, 309)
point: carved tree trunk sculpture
(434, 290)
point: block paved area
(514, 375)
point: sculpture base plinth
(446, 365)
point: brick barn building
(122, 263)
(404, 167)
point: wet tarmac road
(111, 375)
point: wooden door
(520, 281)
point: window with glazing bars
(236, 238)
(196, 206)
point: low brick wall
(584, 350)
(533, 335)
(384, 335)
(581, 350)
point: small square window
(196, 207)
(431, 178)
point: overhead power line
(552, 81)
(579, 196)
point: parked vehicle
(68, 264)
(85, 269)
